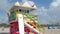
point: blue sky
(48, 10)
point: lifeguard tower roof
(25, 5)
(17, 4)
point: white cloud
(55, 3)
(54, 11)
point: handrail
(31, 28)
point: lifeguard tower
(21, 22)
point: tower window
(19, 10)
(27, 11)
